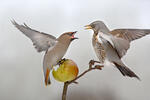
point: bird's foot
(92, 62)
(99, 67)
(61, 61)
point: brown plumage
(125, 71)
(130, 34)
(114, 44)
(55, 48)
(99, 50)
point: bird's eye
(69, 34)
(92, 25)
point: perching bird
(113, 45)
(55, 47)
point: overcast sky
(21, 75)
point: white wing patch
(121, 45)
(106, 37)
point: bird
(113, 45)
(54, 48)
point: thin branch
(66, 84)
(65, 90)
(82, 74)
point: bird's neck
(104, 29)
(94, 38)
(65, 44)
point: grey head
(97, 26)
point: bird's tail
(47, 77)
(125, 70)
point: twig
(65, 90)
(66, 84)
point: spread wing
(41, 41)
(130, 34)
(121, 45)
(118, 44)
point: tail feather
(47, 77)
(125, 70)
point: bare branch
(66, 84)
(65, 90)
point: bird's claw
(92, 62)
(61, 61)
(99, 67)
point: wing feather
(130, 34)
(121, 45)
(41, 41)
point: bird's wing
(41, 41)
(121, 45)
(130, 34)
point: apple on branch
(67, 71)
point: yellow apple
(67, 71)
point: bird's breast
(98, 48)
(55, 54)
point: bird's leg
(97, 62)
(99, 67)
(61, 61)
(92, 62)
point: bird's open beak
(88, 27)
(73, 33)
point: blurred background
(21, 75)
